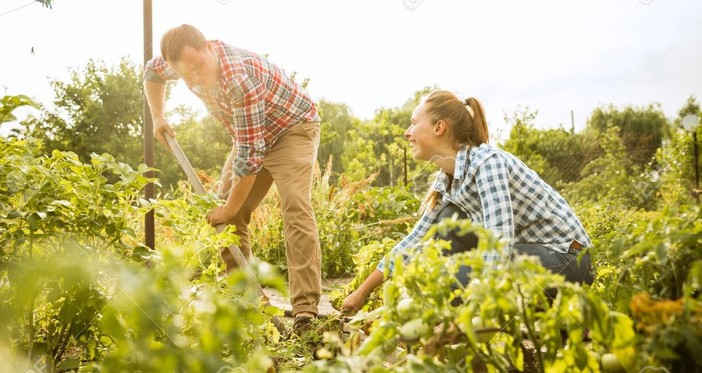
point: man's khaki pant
(290, 164)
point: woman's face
(422, 135)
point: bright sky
(553, 56)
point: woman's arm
(355, 301)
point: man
(275, 129)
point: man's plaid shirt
(255, 101)
(499, 192)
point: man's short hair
(176, 39)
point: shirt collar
(462, 157)
(459, 170)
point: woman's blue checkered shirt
(501, 193)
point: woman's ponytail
(480, 130)
(430, 201)
(466, 118)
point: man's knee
(228, 257)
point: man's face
(199, 68)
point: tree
(378, 146)
(691, 107)
(557, 155)
(676, 160)
(642, 129)
(98, 110)
(9, 103)
(337, 122)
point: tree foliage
(557, 155)
(8, 104)
(642, 129)
(378, 146)
(337, 122)
(97, 110)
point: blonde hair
(465, 120)
(176, 39)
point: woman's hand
(353, 303)
(356, 300)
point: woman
(489, 186)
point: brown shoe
(301, 325)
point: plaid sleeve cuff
(410, 241)
(153, 77)
(249, 158)
(158, 70)
(390, 259)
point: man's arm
(226, 176)
(156, 97)
(241, 187)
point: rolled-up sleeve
(249, 115)
(410, 241)
(159, 71)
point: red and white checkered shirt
(255, 101)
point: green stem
(486, 357)
(30, 311)
(59, 349)
(494, 361)
(530, 331)
(108, 245)
(678, 285)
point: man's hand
(353, 303)
(161, 125)
(220, 215)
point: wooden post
(149, 236)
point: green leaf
(67, 312)
(14, 214)
(54, 295)
(141, 252)
(68, 364)
(34, 219)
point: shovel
(233, 249)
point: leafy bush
(80, 291)
(506, 302)
(161, 321)
(55, 211)
(646, 236)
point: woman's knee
(459, 243)
(450, 210)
